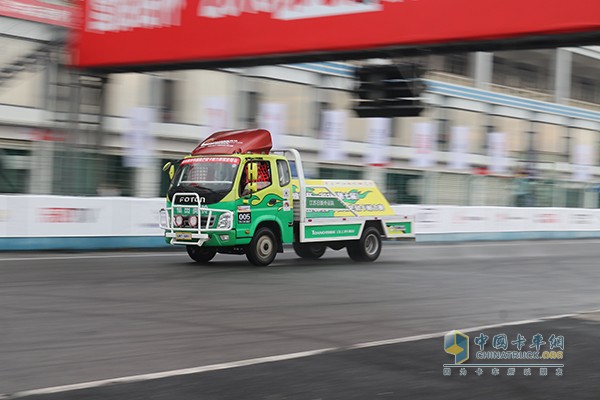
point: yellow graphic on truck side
(343, 198)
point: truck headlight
(224, 221)
(179, 220)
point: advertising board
(38, 11)
(116, 33)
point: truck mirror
(169, 167)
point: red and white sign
(228, 160)
(147, 32)
(38, 11)
(424, 144)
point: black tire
(263, 247)
(368, 248)
(200, 254)
(311, 251)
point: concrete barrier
(62, 222)
(453, 223)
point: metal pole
(100, 162)
(71, 167)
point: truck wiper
(198, 187)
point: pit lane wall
(57, 222)
(453, 223)
(74, 223)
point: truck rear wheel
(368, 248)
(200, 254)
(263, 247)
(309, 250)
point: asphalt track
(72, 318)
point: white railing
(217, 220)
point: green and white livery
(234, 195)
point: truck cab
(218, 202)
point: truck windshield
(211, 177)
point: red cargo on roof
(235, 142)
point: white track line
(390, 243)
(93, 256)
(491, 243)
(263, 360)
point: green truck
(235, 195)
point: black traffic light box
(389, 90)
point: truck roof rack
(236, 142)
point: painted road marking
(263, 360)
(492, 243)
(388, 243)
(93, 256)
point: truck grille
(203, 221)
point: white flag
(378, 139)
(272, 117)
(497, 152)
(333, 134)
(582, 159)
(215, 113)
(139, 142)
(459, 147)
(424, 144)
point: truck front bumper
(221, 239)
(211, 233)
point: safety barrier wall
(56, 222)
(453, 223)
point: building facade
(508, 128)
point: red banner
(146, 32)
(33, 10)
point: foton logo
(285, 9)
(189, 200)
(119, 15)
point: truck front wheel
(200, 254)
(309, 250)
(366, 249)
(263, 247)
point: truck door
(263, 197)
(286, 211)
